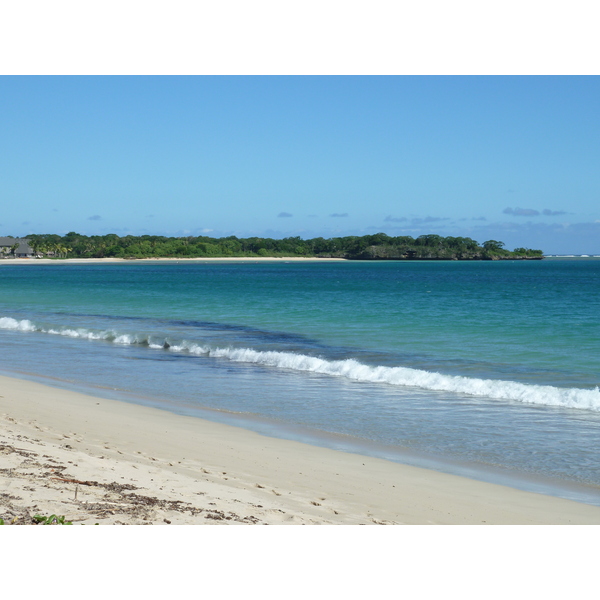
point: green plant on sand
(51, 520)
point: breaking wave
(351, 369)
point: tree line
(379, 246)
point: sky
(509, 158)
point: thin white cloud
(521, 212)
(419, 221)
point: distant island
(379, 246)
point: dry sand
(103, 461)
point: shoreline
(312, 259)
(107, 461)
(254, 259)
(51, 261)
(306, 435)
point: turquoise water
(484, 368)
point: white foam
(9, 323)
(404, 376)
(349, 369)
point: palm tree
(37, 246)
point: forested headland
(368, 247)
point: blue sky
(499, 157)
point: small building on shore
(15, 248)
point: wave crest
(348, 368)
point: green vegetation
(40, 520)
(51, 520)
(368, 247)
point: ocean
(484, 369)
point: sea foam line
(348, 368)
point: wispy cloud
(94, 218)
(415, 220)
(338, 215)
(553, 213)
(521, 212)
(418, 221)
(531, 212)
(285, 214)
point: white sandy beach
(103, 461)
(50, 261)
